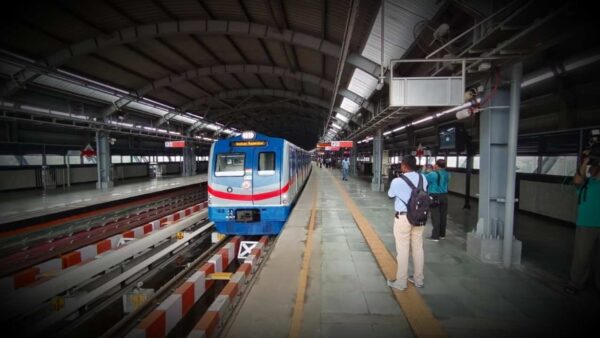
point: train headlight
(246, 185)
(248, 135)
(284, 199)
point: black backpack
(418, 204)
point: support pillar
(493, 240)
(45, 170)
(376, 181)
(470, 150)
(353, 159)
(511, 170)
(189, 161)
(103, 165)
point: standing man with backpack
(437, 183)
(411, 204)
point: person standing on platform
(345, 168)
(407, 236)
(437, 182)
(587, 233)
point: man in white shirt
(406, 235)
(345, 168)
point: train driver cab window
(266, 164)
(230, 164)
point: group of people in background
(328, 162)
(343, 164)
(434, 180)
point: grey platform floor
(347, 297)
(19, 205)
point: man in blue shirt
(406, 235)
(438, 190)
(345, 168)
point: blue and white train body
(253, 182)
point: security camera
(470, 110)
(470, 94)
(463, 114)
(441, 31)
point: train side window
(266, 163)
(230, 164)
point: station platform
(326, 277)
(18, 206)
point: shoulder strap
(410, 184)
(438, 177)
(582, 196)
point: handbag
(435, 201)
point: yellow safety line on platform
(303, 279)
(418, 314)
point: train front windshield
(230, 164)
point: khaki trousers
(408, 237)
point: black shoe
(433, 239)
(442, 237)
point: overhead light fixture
(425, 119)
(341, 117)
(484, 66)
(440, 32)
(248, 135)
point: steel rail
(26, 300)
(129, 320)
(139, 268)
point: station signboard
(248, 143)
(342, 144)
(174, 144)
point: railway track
(24, 251)
(52, 304)
(163, 247)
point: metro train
(253, 183)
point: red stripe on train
(255, 197)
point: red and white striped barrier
(256, 253)
(164, 318)
(221, 308)
(81, 256)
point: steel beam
(203, 27)
(196, 73)
(258, 92)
